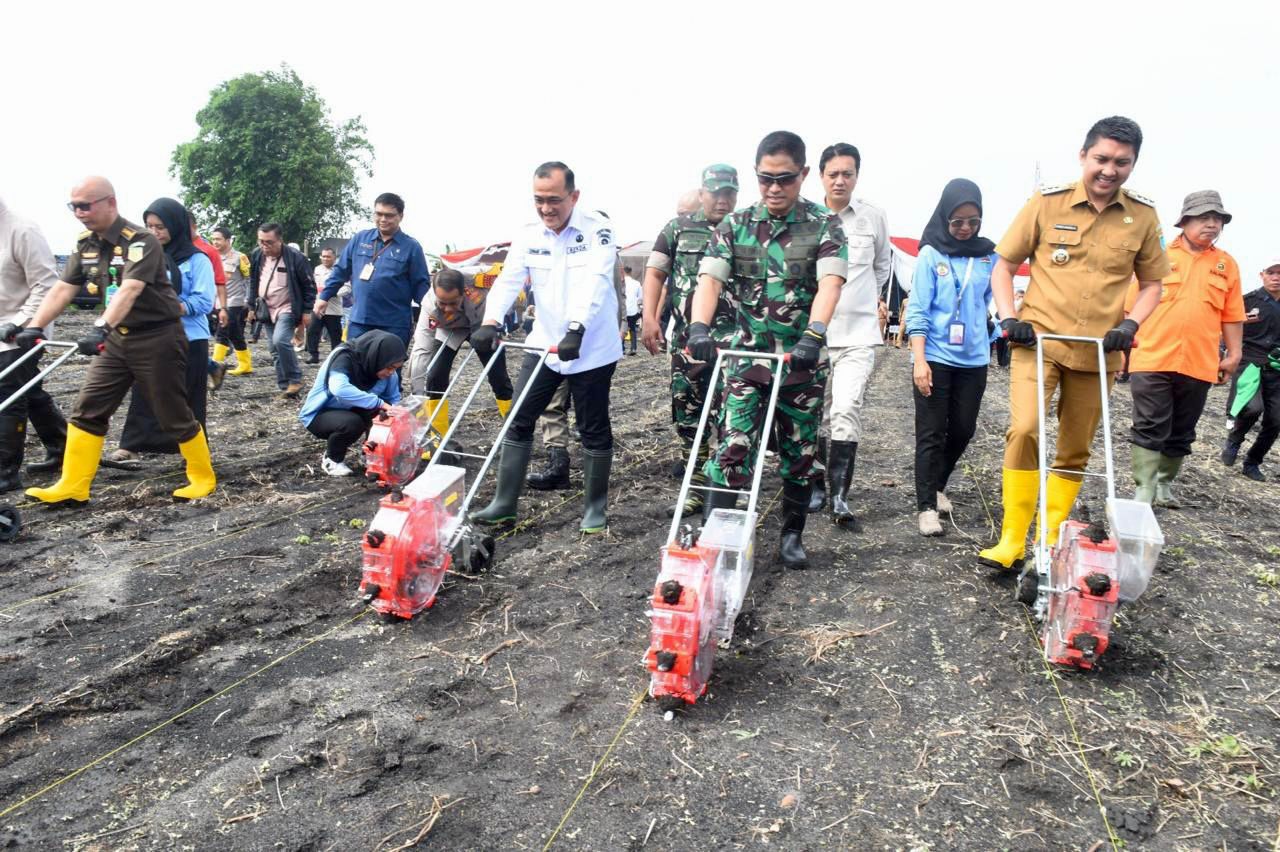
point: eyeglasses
(83, 206)
(972, 221)
(391, 215)
(785, 179)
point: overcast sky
(461, 102)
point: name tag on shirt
(956, 336)
(366, 274)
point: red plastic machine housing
(1086, 589)
(405, 550)
(397, 437)
(682, 642)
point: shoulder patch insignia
(604, 236)
(1056, 188)
(136, 251)
(1138, 197)
(127, 232)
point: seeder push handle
(32, 353)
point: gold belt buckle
(123, 329)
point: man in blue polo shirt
(387, 271)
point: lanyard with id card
(366, 274)
(955, 332)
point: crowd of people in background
(780, 276)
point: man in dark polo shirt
(138, 341)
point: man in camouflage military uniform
(673, 263)
(783, 262)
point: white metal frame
(753, 495)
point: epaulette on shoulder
(127, 232)
(83, 235)
(1056, 188)
(1137, 196)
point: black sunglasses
(781, 180)
(83, 206)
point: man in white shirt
(854, 332)
(26, 274)
(569, 258)
(634, 296)
(331, 321)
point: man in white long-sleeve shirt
(26, 274)
(854, 332)
(568, 257)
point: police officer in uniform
(1085, 240)
(138, 341)
(783, 262)
(569, 258)
(673, 264)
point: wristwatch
(101, 322)
(819, 327)
(576, 327)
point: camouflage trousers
(796, 422)
(689, 383)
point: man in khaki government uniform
(138, 341)
(1085, 240)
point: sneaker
(944, 504)
(334, 468)
(1253, 472)
(123, 455)
(929, 523)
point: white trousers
(851, 368)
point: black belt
(143, 327)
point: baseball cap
(719, 176)
(1275, 261)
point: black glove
(1016, 331)
(29, 336)
(699, 343)
(570, 346)
(9, 331)
(484, 340)
(94, 342)
(807, 351)
(1120, 338)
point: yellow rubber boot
(79, 464)
(244, 363)
(200, 478)
(220, 351)
(1059, 496)
(504, 407)
(1021, 491)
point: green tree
(268, 151)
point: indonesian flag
(482, 265)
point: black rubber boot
(13, 436)
(51, 426)
(555, 475)
(795, 505)
(713, 500)
(596, 465)
(818, 496)
(840, 469)
(511, 470)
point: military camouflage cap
(719, 176)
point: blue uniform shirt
(940, 297)
(197, 295)
(399, 279)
